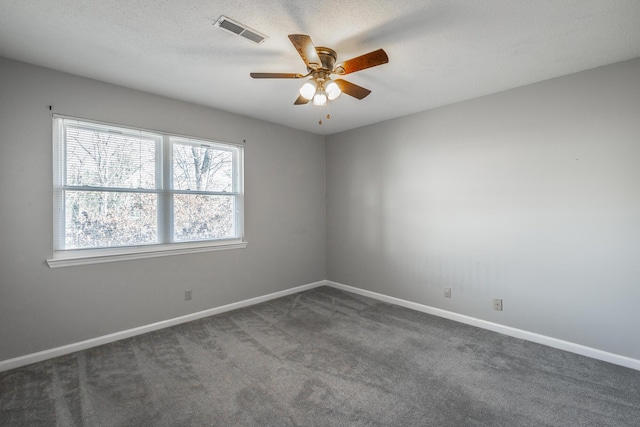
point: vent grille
(239, 29)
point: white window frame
(69, 257)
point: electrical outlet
(447, 292)
(497, 304)
(187, 294)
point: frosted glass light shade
(308, 90)
(333, 90)
(320, 98)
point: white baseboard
(28, 359)
(495, 327)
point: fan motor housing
(327, 57)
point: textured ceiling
(440, 52)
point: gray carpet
(330, 359)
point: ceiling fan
(321, 63)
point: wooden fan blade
(368, 60)
(301, 100)
(307, 50)
(276, 76)
(352, 89)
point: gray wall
(530, 195)
(41, 308)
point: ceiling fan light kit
(332, 89)
(321, 63)
(308, 90)
(320, 98)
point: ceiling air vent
(239, 29)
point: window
(120, 191)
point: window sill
(99, 256)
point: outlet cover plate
(497, 304)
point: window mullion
(165, 199)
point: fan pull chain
(328, 115)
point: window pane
(202, 168)
(200, 217)
(104, 219)
(99, 170)
(100, 158)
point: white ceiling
(440, 52)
